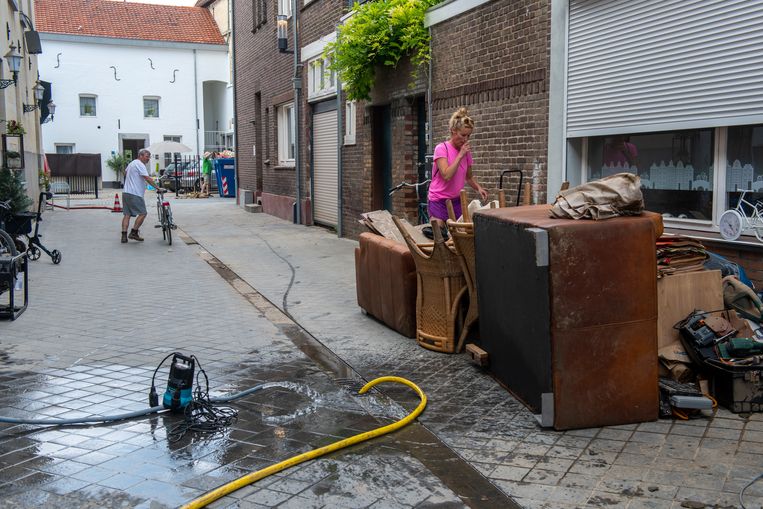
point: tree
(12, 188)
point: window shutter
(657, 65)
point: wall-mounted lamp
(282, 30)
(51, 111)
(14, 64)
(39, 90)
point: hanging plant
(14, 127)
(379, 33)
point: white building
(126, 75)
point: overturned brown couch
(385, 278)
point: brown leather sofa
(385, 278)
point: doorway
(381, 148)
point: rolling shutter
(657, 65)
(325, 168)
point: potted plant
(13, 159)
(117, 163)
(14, 127)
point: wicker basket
(441, 288)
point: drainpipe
(339, 145)
(232, 49)
(297, 81)
(196, 101)
(429, 97)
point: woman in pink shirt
(452, 167)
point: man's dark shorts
(133, 205)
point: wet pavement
(260, 300)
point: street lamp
(51, 110)
(39, 91)
(282, 30)
(14, 64)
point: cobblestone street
(258, 300)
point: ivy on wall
(380, 32)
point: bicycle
(734, 221)
(164, 214)
(421, 197)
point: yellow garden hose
(232, 486)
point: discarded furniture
(568, 313)
(385, 281)
(440, 290)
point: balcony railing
(217, 141)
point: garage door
(325, 168)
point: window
(321, 81)
(168, 156)
(87, 106)
(150, 107)
(744, 164)
(259, 13)
(64, 148)
(284, 7)
(676, 168)
(286, 134)
(349, 122)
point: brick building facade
(493, 59)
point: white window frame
(321, 81)
(720, 191)
(350, 119)
(70, 145)
(286, 134)
(169, 157)
(95, 105)
(158, 108)
(284, 7)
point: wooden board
(680, 294)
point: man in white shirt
(136, 176)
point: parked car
(185, 176)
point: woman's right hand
(465, 149)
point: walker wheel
(56, 255)
(34, 252)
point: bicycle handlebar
(408, 184)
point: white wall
(81, 65)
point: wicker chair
(462, 234)
(441, 288)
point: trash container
(225, 172)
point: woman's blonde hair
(461, 119)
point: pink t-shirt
(441, 189)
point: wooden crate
(680, 294)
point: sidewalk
(119, 330)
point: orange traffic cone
(117, 206)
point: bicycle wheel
(7, 245)
(167, 225)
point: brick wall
(494, 60)
(264, 78)
(748, 257)
(397, 89)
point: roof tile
(127, 20)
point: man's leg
(134, 234)
(125, 226)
